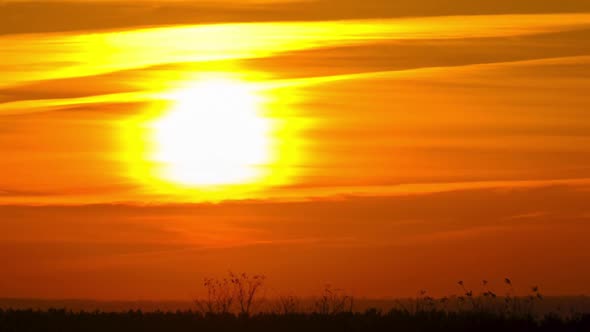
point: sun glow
(213, 135)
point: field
(369, 320)
(234, 303)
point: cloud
(393, 152)
(16, 16)
(467, 234)
(123, 50)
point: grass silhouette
(233, 304)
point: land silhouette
(235, 303)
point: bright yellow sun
(213, 135)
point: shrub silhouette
(223, 293)
(229, 306)
(288, 305)
(333, 302)
(245, 288)
(219, 298)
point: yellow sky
(387, 127)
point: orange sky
(412, 145)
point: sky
(382, 147)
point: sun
(212, 135)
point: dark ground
(370, 320)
